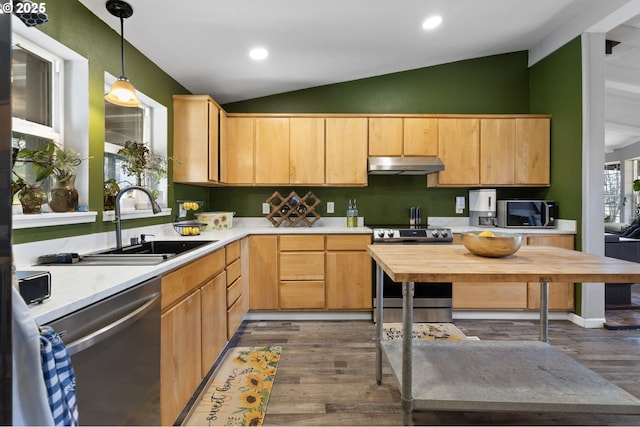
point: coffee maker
(482, 208)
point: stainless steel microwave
(527, 213)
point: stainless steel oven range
(432, 301)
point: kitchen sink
(145, 253)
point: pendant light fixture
(122, 92)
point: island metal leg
(380, 321)
(544, 310)
(406, 390)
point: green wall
(490, 85)
(73, 25)
(556, 88)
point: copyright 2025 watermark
(23, 7)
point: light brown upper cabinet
(398, 136)
(346, 151)
(385, 136)
(272, 150)
(459, 150)
(306, 150)
(497, 165)
(533, 158)
(195, 139)
(420, 136)
(238, 151)
(515, 151)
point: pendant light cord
(122, 44)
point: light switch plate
(330, 207)
(266, 208)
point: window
(37, 112)
(612, 189)
(50, 102)
(145, 124)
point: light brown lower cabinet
(516, 295)
(181, 357)
(192, 329)
(310, 272)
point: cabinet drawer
(235, 313)
(232, 251)
(180, 282)
(233, 271)
(301, 243)
(234, 291)
(348, 242)
(507, 295)
(302, 266)
(301, 294)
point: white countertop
(76, 286)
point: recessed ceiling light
(431, 22)
(258, 53)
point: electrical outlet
(460, 204)
(330, 207)
(266, 208)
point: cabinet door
(180, 360)
(560, 294)
(306, 150)
(346, 151)
(459, 150)
(272, 150)
(498, 151)
(263, 272)
(214, 320)
(348, 280)
(195, 136)
(420, 136)
(385, 136)
(533, 151)
(240, 132)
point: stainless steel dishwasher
(114, 346)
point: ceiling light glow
(432, 22)
(258, 53)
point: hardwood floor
(326, 374)
(626, 318)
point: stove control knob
(444, 233)
(380, 233)
(390, 233)
(434, 233)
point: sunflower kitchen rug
(240, 389)
(424, 331)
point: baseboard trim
(300, 315)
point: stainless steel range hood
(404, 165)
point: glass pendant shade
(122, 93)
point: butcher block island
(493, 375)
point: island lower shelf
(508, 376)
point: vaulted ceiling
(204, 44)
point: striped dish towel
(59, 378)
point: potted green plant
(64, 195)
(111, 190)
(28, 186)
(147, 166)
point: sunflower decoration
(259, 365)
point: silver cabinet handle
(112, 328)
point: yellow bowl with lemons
(492, 244)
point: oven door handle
(114, 327)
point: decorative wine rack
(293, 210)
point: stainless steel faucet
(154, 206)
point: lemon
(486, 234)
